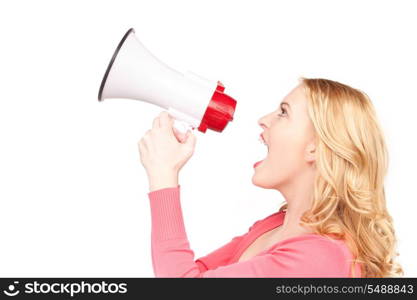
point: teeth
(262, 141)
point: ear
(310, 153)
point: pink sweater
(307, 255)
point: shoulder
(313, 255)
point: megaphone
(135, 73)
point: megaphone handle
(182, 126)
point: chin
(261, 182)
(264, 181)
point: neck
(298, 195)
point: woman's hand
(164, 151)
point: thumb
(190, 139)
(179, 135)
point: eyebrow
(285, 103)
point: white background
(73, 196)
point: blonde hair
(351, 161)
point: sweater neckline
(273, 221)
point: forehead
(296, 98)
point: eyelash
(283, 111)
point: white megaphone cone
(134, 73)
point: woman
(326, 156)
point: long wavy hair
(351, 162)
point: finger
(190, 139)
(147, 134)
(179, 135)
(148, 140)
(143, 151)
(142, 146)
(156, 122)
(165, 120)
(146, 137)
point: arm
(220, 256)
(172, 256)
(160, 200)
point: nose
(262, 122)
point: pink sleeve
(220, 256)
(172, 256)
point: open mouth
(262, 140)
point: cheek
(284, 149)
(284, 159)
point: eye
(283, 112)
